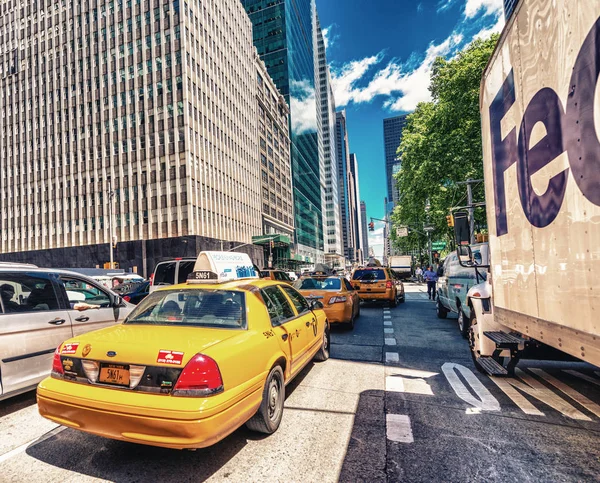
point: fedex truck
(540, 112)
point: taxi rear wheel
(323, 353)
(268, 417)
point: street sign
(401, 231)
(428, 228)
(438, 245)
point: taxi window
(367, 275)
(298, 300)
(192, 307)
(278, 306)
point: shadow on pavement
(16, 403)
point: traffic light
(450, 220)
(371, 226)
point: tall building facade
(392, 135)
(345, 182)
(357, 215)
(365, 231)
(275, 171)
(285, 37)
(334, 254)
(143, 110)
(509, 7)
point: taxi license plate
(114, 374)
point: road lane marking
(585, 377)
(398, 428)
(24, 447)
(387, 316)
(388, 331)
(392, 357)
(390, 341)
(591, 406)
(486, 401)
(387, 322)
(396, 383)
(536, 389)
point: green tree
(441, 145)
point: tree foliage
(441, 145)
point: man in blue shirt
(431, 278)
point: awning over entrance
(277, 239)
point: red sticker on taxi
(70, 348)
(170, 357)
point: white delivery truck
(540, 111)
(402, 265)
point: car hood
(146, 344)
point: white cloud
(303, 107)
(376, 241)
(329, 36)
(403, 85)
(490, 7)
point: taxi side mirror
(316, 304)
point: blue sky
(380, 53)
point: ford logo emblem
(111, 353)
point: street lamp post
(111, 237)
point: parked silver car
(40, 309)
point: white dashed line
(390, 341)
(388, 331)
(387, 322)
(392, 357)
(398, 428)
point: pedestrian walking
(419, 274)
(431, 278)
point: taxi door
(310, 320)
(289, 329)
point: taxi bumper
(387, 295)
(172, 429)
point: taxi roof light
(219, 267)
(200, 377)
(57, 367)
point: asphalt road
(399, 400)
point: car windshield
(193, 307)
(331, 283)
(369, 275)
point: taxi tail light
(91, 369)
(389, 284)
(57, 367)
(200, 377)
(135, 375)
(337, 299)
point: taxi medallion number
(114, 374)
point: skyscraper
(143, 113)
(285, 37)
(365, 231)
(345, 183)
(392, 135)
(334, 253)
(509, 7)
(355, 207)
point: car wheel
(441, 312)
(394, 302)
(323, 353)
(403, 298)
(269, 414)
(350, 325)
(471, 339)
(358, 311)
(463, 323)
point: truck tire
(440, 310)
(269, 414)
(463, 323)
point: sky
(380, 53)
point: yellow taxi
(192, 363)
(340, 301)
(377, 284)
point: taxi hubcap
(274, 400)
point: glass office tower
(285, 39)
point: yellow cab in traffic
(340, 300)
(192, 363)
(375, 283)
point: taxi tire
(394, 302)
(323, 353)
(261, 422)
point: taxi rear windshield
(192, 307)
(369, 275)
(318, 284)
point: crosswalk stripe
(398, 428)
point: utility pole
(471, 206)
(111, 195)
